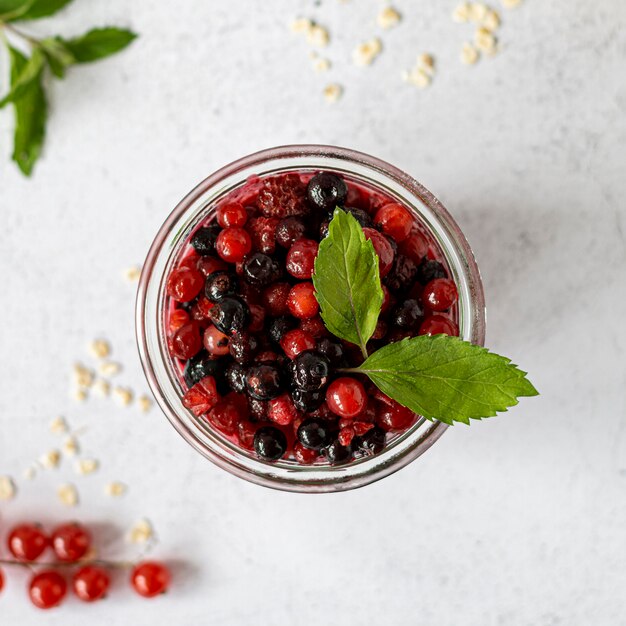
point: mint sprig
(438, 377)
(28, 71)
(347, 281)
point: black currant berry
(325, 191)
(220, 285)
(270, 443)
(310, 370)
(371, 443)
(336, 453)
(307, 401)
(236, 377)
(314, 434)
(229, 315)
(243, 346)
(263, 382)
(289, 230)
(260, 270)
(407, 315)
(279, 326)
(428, 270)
(203, 240)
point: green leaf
(347, 281)
(30, 116)
(28, 73)
(13, 9)
(447, 379)
(58, 55)
(43, 8)
(98, 43)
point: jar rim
(172, 235)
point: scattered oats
(86, 466)
(50, 459)
(124, 395)
(110, 368)
(426, 62)
(68, 495)
(366, 53)
(333, 92)
(321, 65)
(300, 25)
(102, 387)
(30, 472)
(469, 54)
(7, 488)
(485, 40)
(462, 13)
(477, 12)
(80, 395)
(145, 403)
(491, 20)
(58, 425)
(83, 376)
(511, 4)
(100, 348)
(141, 532)
(71, 447)
(417, 76)
(115, 489)
(133, 273)
(388, 18)
(317, 35)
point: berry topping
(203, 240)
(263, 233)
(258, 409)
(301, 258)
(220, 285)
(201, 397)
(178, 318)
(233, 244)
(310, 370)
(440, 294)
(282, 196)
(302, 302)
(289, 230)
(383, 249)
(303, 455)
(346, 397)
(429, 270)
(395, 221)
(439, 325)
(225, 415)
(293, 342)
(270, 443)
(325, 191)
(184, 284)
(261, 270)
(282, 410)
(314, 434)
(263, 382)
(231, 214)
(243, 346)
(229, 315)
(186, 341)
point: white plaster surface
(516, 521)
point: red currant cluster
(90, 580)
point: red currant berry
(360, 428)
(275, 299)
(184, 284)
(231, 214)
(91, 583)
(439, 325)
(395, 221)
(346, 397)
(209, 265)
(186, 341)
(295, 341)
(440, 294)
(190, 262)
(415, 246)
(178, 318)
(314, 326)
(394, 416)
(26, 542)
(202, 396)
(303, 455)
(70, 542)
(383, 249)
(301, 258)
(47, 589)
(215, 341)
(302, 302)
(225, 415)
(263, 233)
(233, 244)
(245, 433)
(346, 435)
(282, 410)
(150, 579)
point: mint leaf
(30, 116)
(28, 73)
(43, 8)
(13, 9)
(447, 379)
(98, 43)
(347, 281)
(57, 55)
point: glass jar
(164, 380)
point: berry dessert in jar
(247, 365)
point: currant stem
(102, 562)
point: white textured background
(517, 521)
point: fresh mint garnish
(438, 377)
(347, 281)
(28, 71)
